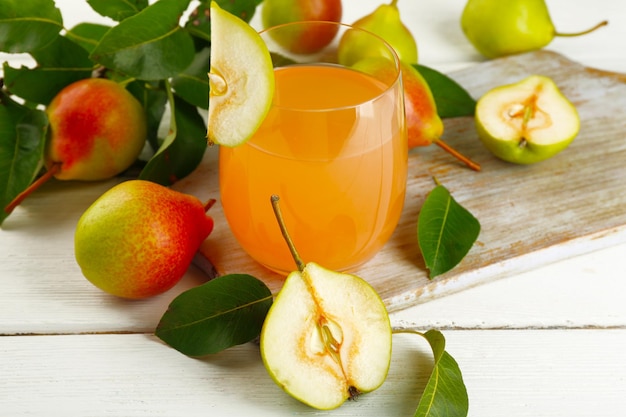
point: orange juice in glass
(333, 148)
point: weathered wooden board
(530, 215)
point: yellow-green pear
(497, 28)
(138, 239)
(327, 336)
(527, 121)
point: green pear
(527, 121)
(327, 336)
(385, 22)
(497, 28)
(96, 130)
(138, 239)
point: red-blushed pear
(527, 121)
(138, 239)
(424, 126)
(278, 12)
(327, 336)
(96, 130)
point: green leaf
(88, 35)
(183, 148)
(224, 312)
(28, 25)
(451, 98)
(445, 393)
(192, 85)
(153, 97)
(149, 45)
(118, 10)
(58, 64)
(199, 23)
(22, 142)
(446, 231)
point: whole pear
(138, 239)
(303, 40)
(497, 28)
(424, 126)
(96, 130)
(385, 22)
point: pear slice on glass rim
(527, 121)
(241, 79)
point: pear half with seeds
(327, 337)
(526, 122)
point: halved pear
(241, 79)
(327, 337)
(526, 122)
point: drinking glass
(333, 148)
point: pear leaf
(224, 312)
(183, 148)
(149, 45)
(192, 85)
(445, 393)
(199, 23)
(118, 10)
(451, 99)
(446, 231)
(88, 35)
(26, 26)
(59, 63)
(22, 141)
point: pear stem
(283, 229)
(32, 187)
(584, 32)
(209, 204)
(473, 165)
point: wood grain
(530, 215)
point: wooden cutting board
(530, 215)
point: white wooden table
(549, 342)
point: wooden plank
(530, 215)
(544, 373)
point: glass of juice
(333, 148)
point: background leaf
(451, 98)
(192, 85)
(118, 10)
(199, 23)
(222, 313)
(183, 148)
(28, 25)
(22, 141)
(58, 64)
(445, 393)
(88, 35)
(149, 45)
(445, 230)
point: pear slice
(327, 336)
(241, 79)
(526, 122)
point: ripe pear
(424, 126)
(96, 130)
(498, 28)
(138, 239)
(327, 336)
(527, 121)
(385, 22)
(303, 39)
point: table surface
(547, 342)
